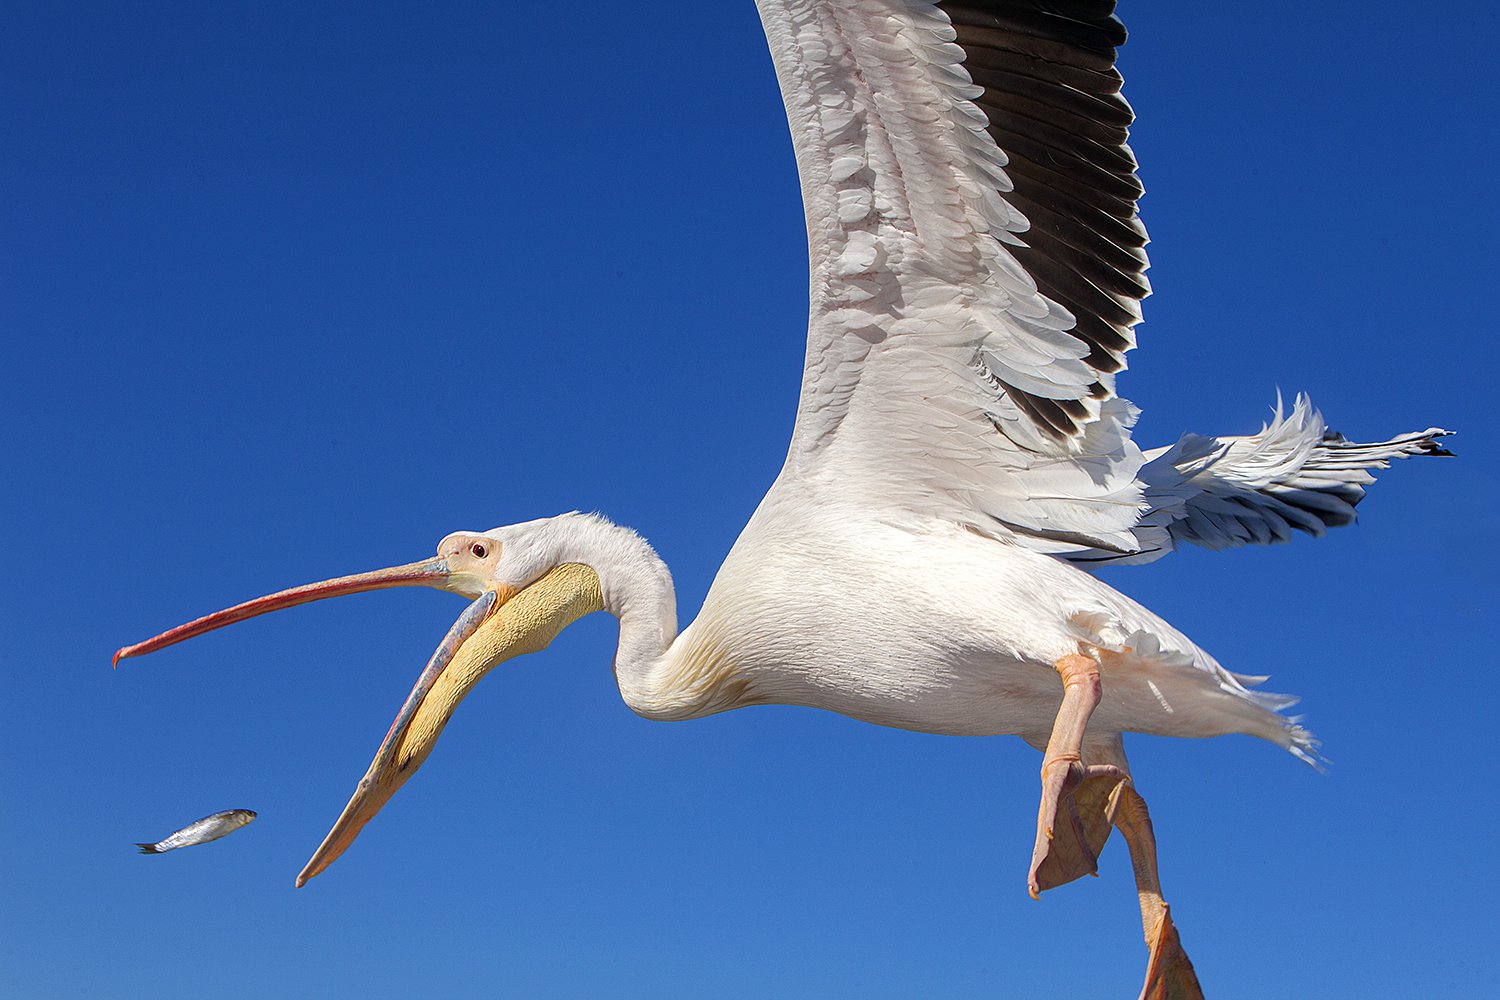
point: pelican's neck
(640, 594)
(661, 675)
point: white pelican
(959, 460)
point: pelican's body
(960, 456)
(939, 631)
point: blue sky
(292, 291)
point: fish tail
(148, 848)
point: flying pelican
(960, 458)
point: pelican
(959, 463)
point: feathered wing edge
(961, 354)
(1225, 492)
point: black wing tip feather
(1089, 24)
(1425, 443)
(1052, 98)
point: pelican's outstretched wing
(1224, 492)
(977, 263)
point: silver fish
(220, 824)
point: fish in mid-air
(220, 824)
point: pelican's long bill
(483, 637)
(428, 573)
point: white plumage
(959, 459)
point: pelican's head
(523, 593)
(472, 559)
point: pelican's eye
(478, 550)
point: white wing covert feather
(960, 354)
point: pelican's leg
(1063, 771)
(1169, 974)
(1070, 856)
